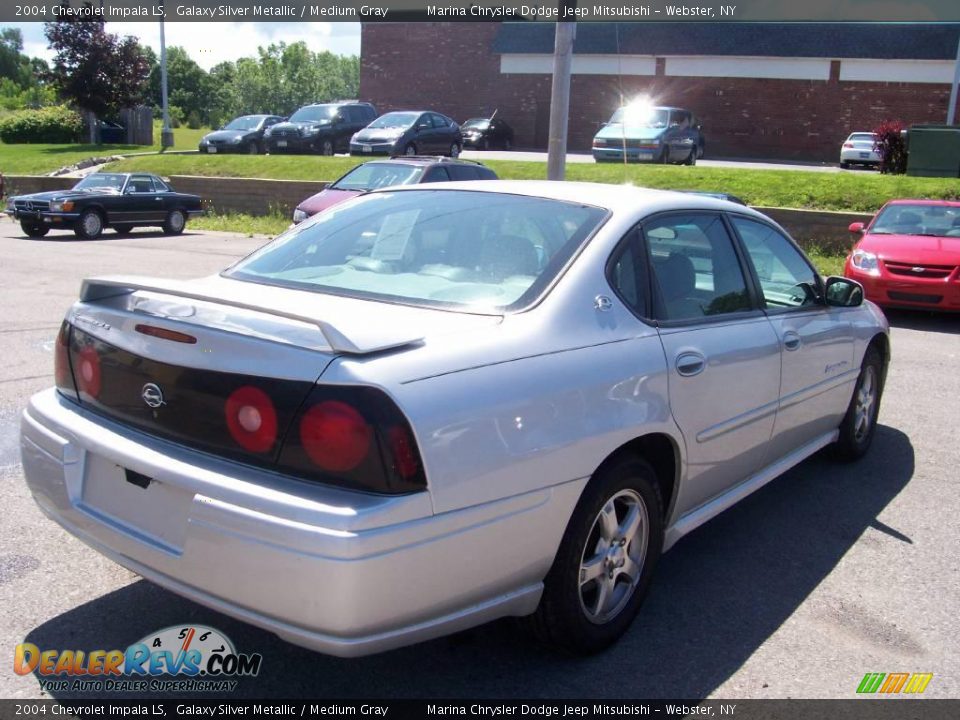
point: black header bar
(480, 11)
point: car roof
(617, 198)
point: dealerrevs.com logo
(183, 658)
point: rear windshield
(863, 137)
(478, 251)
(394, 119)
(371, 176)
(314, 113)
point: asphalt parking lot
(828, 573)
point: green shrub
(891, 145)
(55, 124)
(193, 120)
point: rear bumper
(344, 573)
(857, 156)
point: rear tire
(605, 563)
(175, 223)
(89, 225)
(253, 149)
(860, 423)
(33, 230)
(507, 144)
(845, 165)
(692, 158)
(455, 150)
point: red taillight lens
(88, 371)
(848, 145)
(405, 456)
(251, 419)
(335, 436)
(355, 437)
(63, 376)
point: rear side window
(625, 276)
(463, 172)
(439, 121)
(436, 174)
(697, 272)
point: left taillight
(62, 373)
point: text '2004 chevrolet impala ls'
(432, 407)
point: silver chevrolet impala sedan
(430, 407)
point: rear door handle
(791, 341)
(690, 363)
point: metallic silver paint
(513, 414)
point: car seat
(678, 281)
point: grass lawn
(861, 192)
(40, 159)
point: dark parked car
(121, 201)
(112, 133)
(645, 133)
(409, 132)
(323, 129)
(486, 133)
(386, 173)
(242, 134)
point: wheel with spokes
(89, 225)
(860, 423)
(605, 563)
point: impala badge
(152, 395)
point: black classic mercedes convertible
(121, 201)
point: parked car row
(328, 128)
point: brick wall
(450, 67)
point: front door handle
(690, 363)
(791, 341)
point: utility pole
(952, 108)
(166, 134)
(566, 32)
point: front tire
(691, 158)
(89, 225)
(410, 149)
(34, 230)
(175, 223)
(253, 149)
(603, 568)
(326, 148)
(860, 423)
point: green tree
(97, 71)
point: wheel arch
(662, 452)
(881, 342)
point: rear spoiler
(95, 289)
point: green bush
(193, 120)
(55, 124)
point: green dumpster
(934, 151)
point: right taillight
(356, 437)
(62, 374)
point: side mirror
(843, 292)
(856, 228)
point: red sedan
(909, 256)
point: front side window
(695, 266)
(786, 279)
(473, 250)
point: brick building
(791, 91)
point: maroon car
(407, 170)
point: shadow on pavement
(718, 595)
(924, 320)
